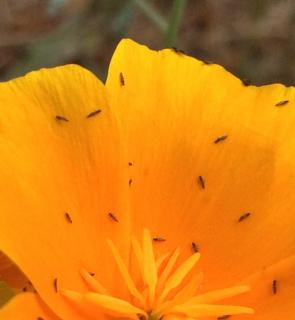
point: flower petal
(273, 292)
(11, 274)
(212, 159)
(61, 176)
(26, 306)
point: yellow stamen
(101, 302)
(124, 272)
(166, 272)
(149, 265)
(114, 305)
(92, 282)
(218, 295)
(209, 310)
(164, 294)
(138, 254)
(183, 295)
(161, 259)
(177, 277)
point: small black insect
(93, 113)
(68, 217)
(201, 181)
(281, 103)
(61, 118)
(55, 285)
(244, 216)
(159, 239)
(122, 79)
(194, 247)
(274, 287)
(219, 139)
(113, 217)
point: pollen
(167, 288)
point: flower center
(167, 290)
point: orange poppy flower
(165, 194)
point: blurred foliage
(254, 39)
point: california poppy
(165, 194)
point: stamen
(177, 277)
(100, 302)
(209, 310)
(218, 295)
(138, 254)
(124, 272)
(190, 289)
(72, 296)
(92, 282)
(183, 295)
(166, 273)
(161, 259)
(149, 265)
(160, 278)
(114, 305)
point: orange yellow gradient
(170, 147)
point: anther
(226, 316)
(122, 79)
(219, 139)
(274, 286)
(68, 217)
(281, 103)
(201, 181)
(130, 164)
(93, 113)
(61, 118)
(244, 216)
(40, 318)
(113, 217)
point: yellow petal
(213, 160)
(60, 179)
(26, 306)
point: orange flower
(165, 194)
